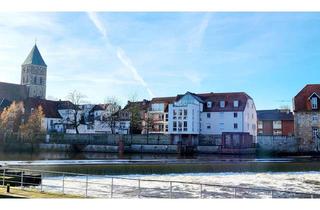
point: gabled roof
(35, 58)
(50, 108)
(66, 105)
(99, 107)
(274, 114)
(192, 94)
(301, 100)
(13, 92)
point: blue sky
(270, 56)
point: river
(292, 173)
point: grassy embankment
(17, 192)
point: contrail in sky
(121, 54)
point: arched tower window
(35, 80)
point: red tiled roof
(229, 98)
(163, 99)
(301, 102)
(215, 98)
(50, 108)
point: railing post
(63, 183)
(170, 189)
(235, 192)
(21, 179)
(111, 192)
(272, 194)
(41, 180)
(201, 191)
(4, 175)
(139, 189)
(86, 186)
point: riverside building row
(231, 115)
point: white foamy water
(100, 186)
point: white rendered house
(212, 114)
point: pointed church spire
(35, 57)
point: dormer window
(314, 103)
(222, 104)
(209, 104)
(236, 103)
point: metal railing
(90, 186)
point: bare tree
(149, 123)
(76, 98)
(111, 118)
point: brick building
(307, 117)
(275, 122)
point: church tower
(34, 74)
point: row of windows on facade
(35, 80)
(160, 127)
(184, 126)
(275, 124)
(222, 104)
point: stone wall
(278, 144)
(303, 124)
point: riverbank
(16, 192)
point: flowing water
(299, 174)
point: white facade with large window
(187, 116)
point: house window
(315, 118)
(236, 103)
(209, 104)
(235, 114)
(185, 113)
(208, 115)
(166, 128)
(174, 126)
(174, 114)
(235, 125)
(208, 126)
(277, 124)
(185, 125)
(222, 104)
(35, 80)
(179, 126)
(180, 114)
(314, 132)
(221, 126)
(260, 124)
(314, 103)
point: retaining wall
(285, 144)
